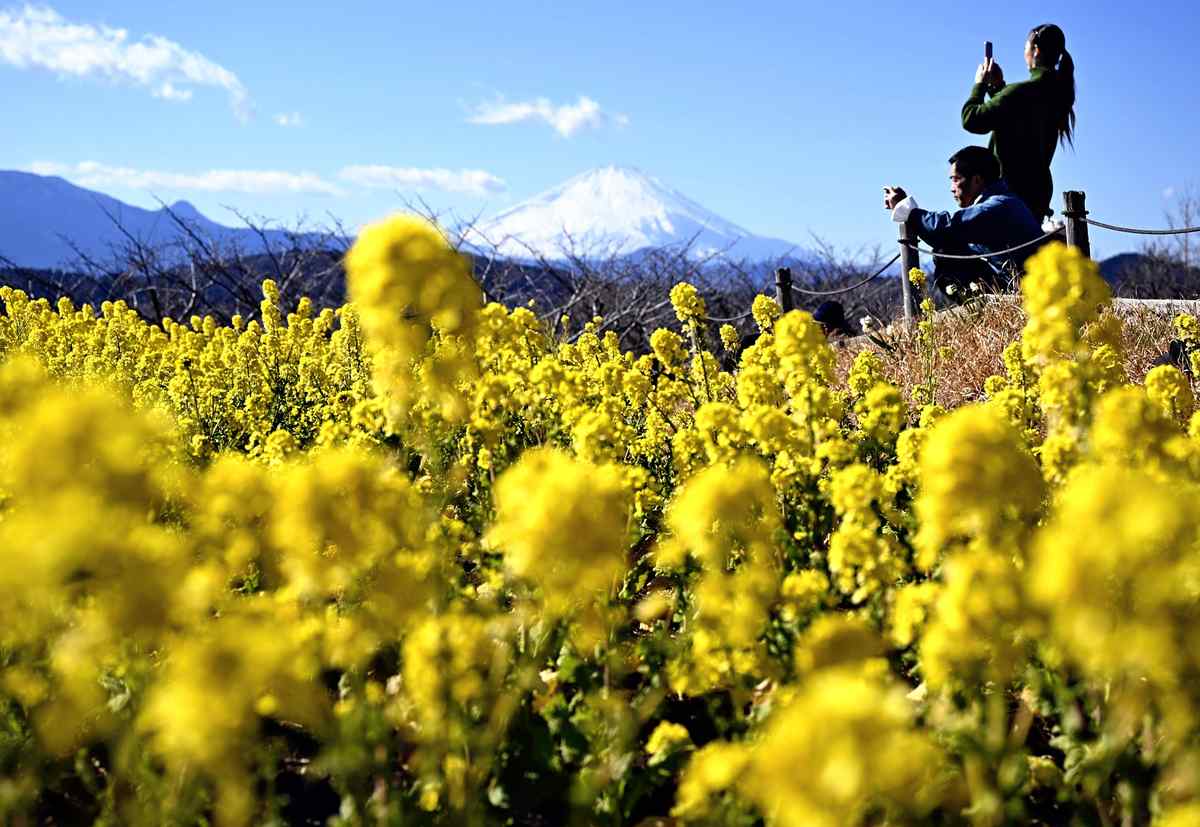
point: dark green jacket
(1021, 118)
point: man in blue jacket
(991, 219)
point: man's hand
(989, 72)
(893, 196)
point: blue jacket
(997, 221)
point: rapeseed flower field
(414, 561)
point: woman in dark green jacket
(1027, 120)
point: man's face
(964, 190)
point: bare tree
(1184, 213)
(628, 291)
(1167, 266)
(195, 273)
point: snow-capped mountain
(617, 210)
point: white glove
(900, 211)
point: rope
(1134, 231)
(958, 257)
(737, 318)
(854, 286)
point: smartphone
(987, 49)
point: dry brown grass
(975, 338)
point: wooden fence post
(1075, 212)
(783, 288)
(909, 258)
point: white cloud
(258, 182)
(1168, 193)
(168, 91)
(95, 175)
(37, 37)
(566, 120)
(471, 181)
(289, 119)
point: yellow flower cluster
(689, 307)
(843, 748)
(563, 524)
(409, 286)
(1062, 292)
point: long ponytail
(1053, 54)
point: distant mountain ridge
(611, 210)
(618, 211)
(42, 216)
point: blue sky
(786, 118)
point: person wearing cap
(831, 316)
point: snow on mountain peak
(616, 210)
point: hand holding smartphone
(989, 71)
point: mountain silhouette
(47, 222)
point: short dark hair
(976, 160)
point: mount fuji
(618, 211)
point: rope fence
(1074, 228)
(854, 286)
(784, 287)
